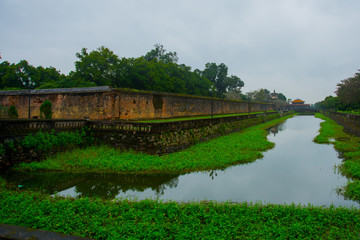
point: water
(296, 171)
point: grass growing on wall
(150, 219)
(200, 117)
(349, 147)
(356, 112)
(240, 147)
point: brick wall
(107, 103)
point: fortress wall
(107, 103)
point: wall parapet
(12, 127)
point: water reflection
(297, 171)
(276, 129)
(106, 186)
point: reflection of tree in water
(109, 185)
(92, 185)
(276, 129)
(160, 190)
(213, 174)
(42, 181)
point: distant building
(297, 101)
(298, 105)
(274, 96)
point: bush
(3, 112)
(46, 141)
(13, 113)
(46, 110)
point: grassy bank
(349, 148)
(240, 147)
(148, 219)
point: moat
(296, 171)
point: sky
(301, 48)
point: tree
(159, 54)
(49, 77)
(261, 95)
(217, 74)
(8, 76)
(329, 103)
(348, 91)
(234, 84)
(99, 66)
(282, 97)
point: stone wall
(153, 138)
(350, 122)
(116, 104)
(167, 137)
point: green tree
(261, 95)
(8, 76)
(99, 66)
(49, 77)
(348, 91)
(282, 97)
(234, 84)
(217, 74)
(160, 54)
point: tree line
(157, 70)
(347, 96)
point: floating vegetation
(151, 219)
(349, 148)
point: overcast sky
(301, 48)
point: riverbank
(239, 147)
(348, 147)
(151, 219)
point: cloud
(301, 48)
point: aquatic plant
(349, 148)
(151, 219)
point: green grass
(153, 219)
(197, 118)
(150, 219)
(357, 112)
(349, 147)
(240, 147)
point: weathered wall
(106, 103)
(153, 138)
(167, 137)
(350, 122)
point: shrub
(4, 112)
(46, 141)
(13, 113)
(46, 110)
(2, 150)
